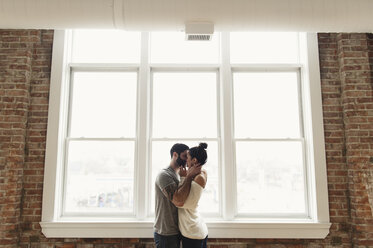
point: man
(169, 195)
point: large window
(185, 110)
(100, 143)
(120, 100)
(269, 149)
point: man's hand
(183, 171)
(182, 192)
(194, 171)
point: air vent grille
(199, 31)
(198, 37)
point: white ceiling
(227, 15)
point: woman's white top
(191, 224)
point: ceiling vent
(199, 31)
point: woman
(192, 227)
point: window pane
(161, 157)
(104, 104)
(100, 176)
(171, 47)
(266, 105)
(256, 47)
(106, 46)
(270, 177)
(184, 105)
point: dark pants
(193, 243)
(162, 241)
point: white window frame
(228, 225)
(270, 69)
(92, 68)
(155, 68)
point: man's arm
(178, 195)
(182, 192)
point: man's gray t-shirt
(166, 217)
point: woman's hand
(193, 171)
(182, 171)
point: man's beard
(180, 162)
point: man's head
(178, 153)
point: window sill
(217, 229)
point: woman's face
(189, 160)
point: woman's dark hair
(178, 148)
(199, 152)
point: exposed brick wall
(15, 75)
(334, 138)
(357, 103)
(346, 62)
(36, 134)
(369, 181)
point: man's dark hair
(178, 148)
(199, 152)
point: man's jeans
(172, 241)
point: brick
(66, 245)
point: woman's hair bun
(203, 145)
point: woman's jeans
(194, 243)
(162, 241)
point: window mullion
(141, 171)
(66, 109)
(64, 179)
(176, 139)
(314, 131)
(269, 139)
(228, 165)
